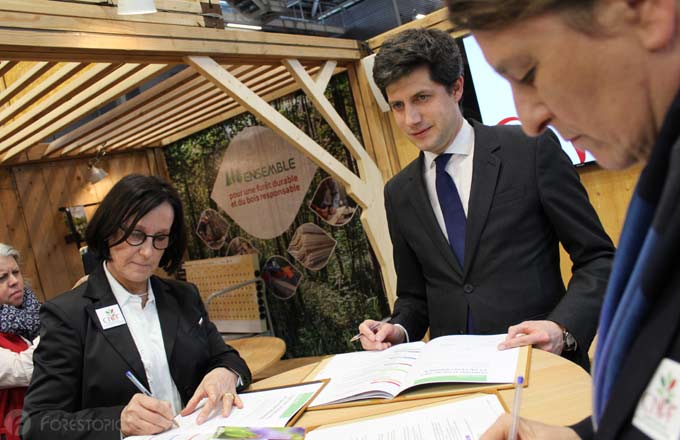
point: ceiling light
(134, 7)
(419, 16)
(250, 27)
(96, 174)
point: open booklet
(464, 418)
(458, 359)
(273, 407)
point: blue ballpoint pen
(144, 391)
(138, 384)
(515, 408)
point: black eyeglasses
(137, 238)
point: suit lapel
(168, 314)
(486, 165)
(420, 200)
(119, 337)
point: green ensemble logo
(236, 176)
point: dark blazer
(79, 388)
(658, 338)
(525, 199)
(658, 335)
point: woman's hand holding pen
(145, 415)
(219, 386)
(528, 430)
(376, 335)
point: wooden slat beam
(26, 80)
(111, 117)
(116, 84)
(155, 113)
(373, 216)
(324, 76)
(182, 116)
(277, 122)
(46, 105)
(6, 66)
(44, 15)
(231, 112)
(62, 74)
(104, 12)
(82, 92)
(155, 117)
(160, 115)
(130, 121)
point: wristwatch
(569, 340)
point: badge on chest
(110, 316)
(658, 411)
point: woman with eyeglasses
(125, 319)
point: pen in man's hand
(373, 326)
(142, 389)
(515, 408)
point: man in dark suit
(476, 220)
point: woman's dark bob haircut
(133, 197)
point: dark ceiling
(357, 19)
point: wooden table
(259, 352)
(559, 392)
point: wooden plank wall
(30, 197)
(609, 192)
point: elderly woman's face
(11, 282)
(133, 265)
(592, 88)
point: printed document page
(367, 374)
(465, 358)
(268, 408)
(446, 359)
(458, 420)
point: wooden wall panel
(13, 230)
(44, 229)
(609, 193)
(30, 197)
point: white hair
(8, 251)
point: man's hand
(144, 415)
(545, 335)
(218, 385)
(527, 430)
(379, 336)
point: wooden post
(367, 191)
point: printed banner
(212, 228)
(262, 182)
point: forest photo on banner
(337, 290)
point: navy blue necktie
(452, 208)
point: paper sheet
(458, 420)
(367, 373)
(269, 408)
(465, 358)
(446, 359)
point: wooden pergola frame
(69, 61)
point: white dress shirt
(145, 328)
(16, 368)
(459, 168)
